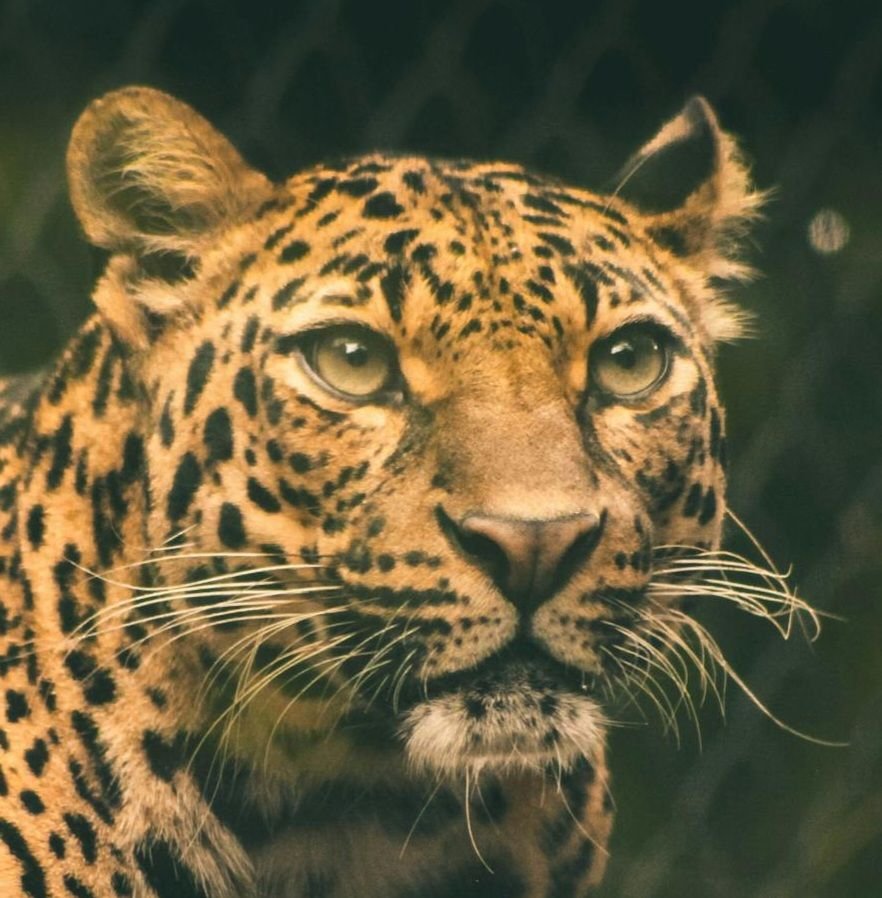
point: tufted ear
(694, 186)
(152, 181)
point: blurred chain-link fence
(572, 88)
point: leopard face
(417, 431)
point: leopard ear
(693, 185)
(153, 182)
(148, 174)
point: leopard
(329, 541)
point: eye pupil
(624, 355)
(356, 355)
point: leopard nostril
(528, 559)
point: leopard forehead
(447, 253)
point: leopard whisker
(242, 591)
(641, 659)
(419, 817)
(714, 651)
(762, 591)
(296, 656)
(468, 816)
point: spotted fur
(259, 639)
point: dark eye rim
(305, 344)
(667, 342)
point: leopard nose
(529, 560)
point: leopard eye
(630, 362)
(352, 361)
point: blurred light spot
(828, 231)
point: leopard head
(417, 432)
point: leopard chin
(518, 712)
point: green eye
(629, 362)
(352, 361)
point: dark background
(747, 809)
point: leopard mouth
(520, 660)
(519, 710)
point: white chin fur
(516, 731)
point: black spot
(83, 356)
(32, 802)
(165, 872)
(249, 334)
(383, 205)
(83, 831)
(546, 272)
(230, 529)
(187, 479)
(166, 425)
(414, 180)
(133, 458)
(16, 706)
(33, 883)
(164, 757)
(262, 497)
(57, 846)
(103, 383)
(197, 375)
(323, 186)
(276, 237)
(300, 463)
(36, 526)
(560, 243)
(358, 187)
(284, 295)
(708, 507)
(475, 707)
(540, 290)
(85, 792)
(542, 204)
(245, 390)
(693, 501)
(77, 888)
(121, 884)
(328, 218)
(393, 285)
(218, 435)
(99, 687)
(61, 453)
(47, 693)
(37, 756)
(87, 731)
(385, 563)
(548, 705)
(396, 241)
(581, 278)
(425, 252)
(295, 250)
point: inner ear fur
(148, 174)
(692, 182)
